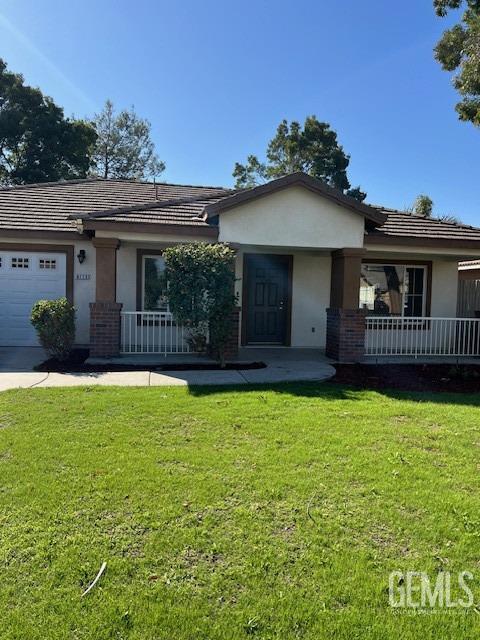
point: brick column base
(231, 348)
(345, 334)
(105, 329)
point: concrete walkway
(283, 365)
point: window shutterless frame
(140, 282)
(139, 279)
(145, 257)
(414, 295)
(406, 294)
(427, 279)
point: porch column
(232, 343)
(105, 311)
(231, 348)
(345, 321)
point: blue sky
(216, 77)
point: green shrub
(54, 321)
(201, 296)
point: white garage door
(24, 279)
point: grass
(224, 513)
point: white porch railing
(421, 336)
(152, 332)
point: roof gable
(296, 179)
(292, 217)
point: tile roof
(400, 224)
(56, 206)
(49, 206)
(188, 211)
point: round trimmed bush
(54, 321)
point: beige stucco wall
(127, 276)
(310, 299)
(310, 294)
(444, 288)
(83, 290)
(292, 217)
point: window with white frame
(393, 290)
(154, 285)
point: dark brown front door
(267, 295)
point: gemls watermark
(416, 590)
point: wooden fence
(468, 305)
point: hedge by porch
(200, 292)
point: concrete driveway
(283, 365)
(15, 359)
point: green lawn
(227, 513)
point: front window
(154, 285)
(393, 290)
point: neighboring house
(314, 267)
(469, 270)
(469, 289)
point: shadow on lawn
(335, 391)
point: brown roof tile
(184, 210)
(56, 206)
(401, 225)
(50, 206)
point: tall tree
(124, 148)
(458, 50)
(313, 149)
(37, 142)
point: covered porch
(323, 300)
(331, 283)
(299, 247)
(283, 296)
